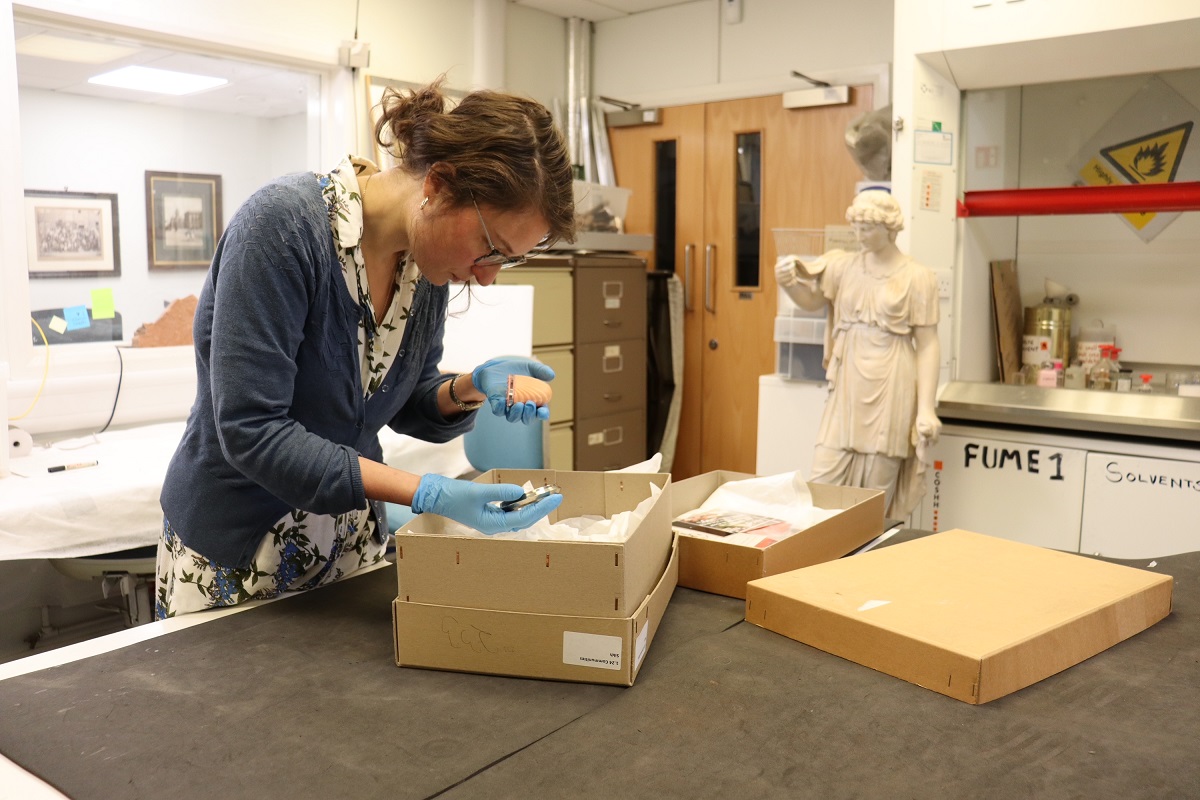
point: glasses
(495, 258)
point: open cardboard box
(587, 649)
(973, 617)
(592, 579)
(724, 568)
(576, 611)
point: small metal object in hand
(532, 496)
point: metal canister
(1047, 334)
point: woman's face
(872, 236)
(450, 240)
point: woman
(883, 363)
(321, 320)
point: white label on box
(592, 650)
(639, 645)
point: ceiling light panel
(160, 81)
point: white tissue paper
(784, 496)
(588, 528)
(652, 465)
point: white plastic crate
(800, 348)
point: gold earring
(425, 202)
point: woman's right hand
(473, 504)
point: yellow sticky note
(58, 324)
(102, 304)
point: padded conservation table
(301, 698)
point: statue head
(876, 206)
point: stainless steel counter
(1159, 416)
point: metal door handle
(688, 250)
(708, 262)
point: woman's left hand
(491, 378)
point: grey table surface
(302, 699)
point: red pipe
(1143, 197)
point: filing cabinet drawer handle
(607, 436)
(612, 323)
(614, 396)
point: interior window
(128, 185)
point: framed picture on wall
(183, 219)
(71, 234)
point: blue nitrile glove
(472, 503)
(491, 378)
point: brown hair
(500, 149)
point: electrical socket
(945, 282)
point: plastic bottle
(1122, 378)
(1074, 377)
(1101, 376)
(1029, 374)
(1047, 376)
(1091, 339)
(1145, 387)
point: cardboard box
(724, 568)
(587, 579)
(555, 646)
(970, 616)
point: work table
(301, 698)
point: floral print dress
(304, 550)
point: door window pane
(664, 205)
(748, 199)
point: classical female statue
(882, 356)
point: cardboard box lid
(971, 616)
(607, 579)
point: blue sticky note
(77, 317)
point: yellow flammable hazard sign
(1153, 158)
(1128, 151)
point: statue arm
(801, 285)
(929, 358)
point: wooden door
(806, 180)
(634, 155)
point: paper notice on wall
(1146, 141)
(933, 147)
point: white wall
(536, 54)
(688, 53)
(302, 30)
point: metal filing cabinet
(589, 324)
